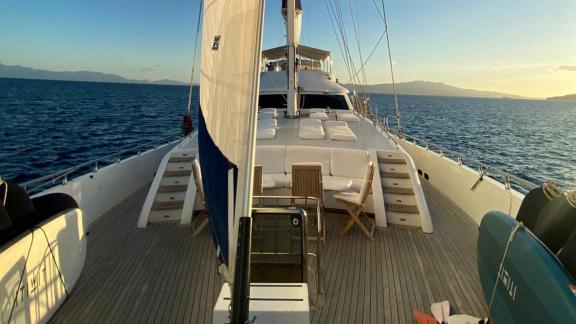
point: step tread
(396, 175)
(401, 208)
(398, 190)
(173, 188)
(177, 173)
(166, 205)
(391, 161)
(181, 159)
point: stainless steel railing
(62, 177)
(507, 179)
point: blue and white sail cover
(229, 78)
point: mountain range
(428, 88)
(22, 72)
(423, 88)
(571, 97)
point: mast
(292, 12)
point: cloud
(567, 68)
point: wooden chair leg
(350, 222)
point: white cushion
(281, 180)
(355, 183)
(268, 111)
(352, 197)
(319, 115)
(346, 116)
(321, 110)
(336, 183)
(266, 133)
(267, 123)
(300, 154)
(348, 163)
(268, 181)
(266, 116)
(341, 133)
(271, 158)
(311, 132)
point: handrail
(35, 185)
(483, 168)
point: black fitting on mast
(241, 288)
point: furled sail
(229, 79)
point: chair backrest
(197, 174)
(257, 188)
(307, 180)
(367, 185)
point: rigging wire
(194, 55)
(396, 109)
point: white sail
(229, 79)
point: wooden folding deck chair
(354, 203)
(200, 220)
(307, 182)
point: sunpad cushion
(336, 183)
(268, 181)
(319, 115)
(341, 133)
(311, 129)
(346, 116)
(266, 133)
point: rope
(510, 238)
(194, 55)
(396, 109)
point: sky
(526, 48)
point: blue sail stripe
(214, 166)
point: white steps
(173, 192)
(400, 201)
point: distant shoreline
(197, 85)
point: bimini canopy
(273, 82)
(304, 51)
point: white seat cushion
(266, 116)
(341, 133)
(352, 197)
(267, 123)
(336, 183)
(268, 181)
(266, 133)
(315, 110)
(355, 183)
(311, 132)
(271, 158)
(319, 115)
(304, 154)
(281, 180)
(268, 111)
(346, 116)
(348, 163)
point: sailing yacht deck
(164, 274)
(368, 136)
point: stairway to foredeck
(171, 194)
(399, 197)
